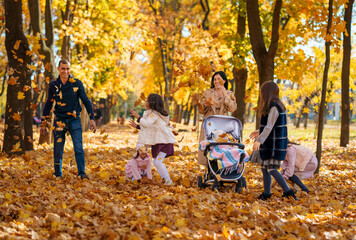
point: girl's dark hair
(155, 102)
(136, 155)
(223, 76)
(269, 93)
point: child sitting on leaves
(140, 165)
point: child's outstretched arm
(133, 124)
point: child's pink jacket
(138, 167)
(290, 165)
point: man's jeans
(74, 126)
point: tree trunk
(67, 19)
(46, 50)
(263, 58)
(240, 74)
(18, 115)
(345, 78)
(322, 106)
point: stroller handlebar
(240, 145)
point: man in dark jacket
(65, 92)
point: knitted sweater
(275, 146)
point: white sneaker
(168, 182)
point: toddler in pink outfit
(140, 165)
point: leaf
(12, 80)
(20, 95)
(215, 35)
(17, 44)
(74, 114)
(33, 106)
(72, 80)
(32, 67)
(26, 88)
(20, 60)
(48, 66)
(8, 196)
(221, 62)
(132, 54)
(29, 53)
(143, 97)
(75, 89)
(16, 117)
(102, 131)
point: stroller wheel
(243, 182)
(200, 182)
(238, 188)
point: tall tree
(345, 78)
(46, 48)
(67, 19)
(240, 69)
(322, 106)
(18, 116)
(263, 57)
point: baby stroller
(213, 175)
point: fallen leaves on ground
(36, 205)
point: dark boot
(289, 193)
(264, 196)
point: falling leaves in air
(74, 114)
(17, 44)
(20, 95)
(216, 35)
(132, 54)
(12, 80)
(16, 117)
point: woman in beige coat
(215, 101)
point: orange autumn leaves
(111, 206)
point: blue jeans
(74, 126)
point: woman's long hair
(223, 76)
(155, 102)
(269, 94)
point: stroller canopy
(220, 122)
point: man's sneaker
(84, 176)
(168, 182)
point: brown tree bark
(205, 5)
(263, 58)
(46, 49)
(240, 72)
(345, 78)
(18, 116)
(322, 106)
(67, 19)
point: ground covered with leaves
(35, 205)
